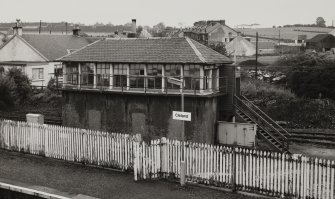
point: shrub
(7, 96)
(258, 89)
(22, 89)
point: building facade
(211, 32)
(36, 54)
(134, 85)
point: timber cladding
(149, 115)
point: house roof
(152, 50)
(241, 47)
(320, 37)
(207, 28)
(55, 46)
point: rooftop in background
(153, 50)
(55, 46)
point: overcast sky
(171, 12)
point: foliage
(219, 47)
(313, 82)
(283, 105)
(22, 87)
(320, 22)
(311, 75)
(258, 89)
(304, 59)
(139, 29)
(7, 95)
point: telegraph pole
(256, 55)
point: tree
(220, 48)
(139, 30)
(320, 21)
(160, 27)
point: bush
(7, 94)
(305, 59)
(22, 89)
(258, 89)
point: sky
(174, 13)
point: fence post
(233, 177)
(164, 157)
(136, 144)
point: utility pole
(182, 163)
(256, 55)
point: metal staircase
(271, 132)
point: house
(35, 54)
(321, 42)
(211, 32)
(240, 47)
(332, 32)
(134, 85)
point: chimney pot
(76, 30)
(133, 25)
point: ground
(69, 179)
(312, 150)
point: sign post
(183, 116)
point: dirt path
(76, 179)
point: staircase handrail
(266, 116)
(285, 142)
(259, 126)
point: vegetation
(283, 105)
(14, 88)
(311, 75)
(219, 47)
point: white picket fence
(78, 145)
(268, 173)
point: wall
(48, 72)
(150, 115)
(18, 50)
(220, 33)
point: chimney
(76, 31)
(133, 25)
(17, 29)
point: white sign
(177, 115)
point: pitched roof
(152, 50)
(320, 37)
(241, 47)
(55, 46)
(207, 28)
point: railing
(269, 173)
(160, 84)
(269, 126)
(265, 116)
(112, 150)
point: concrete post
(182, 173)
